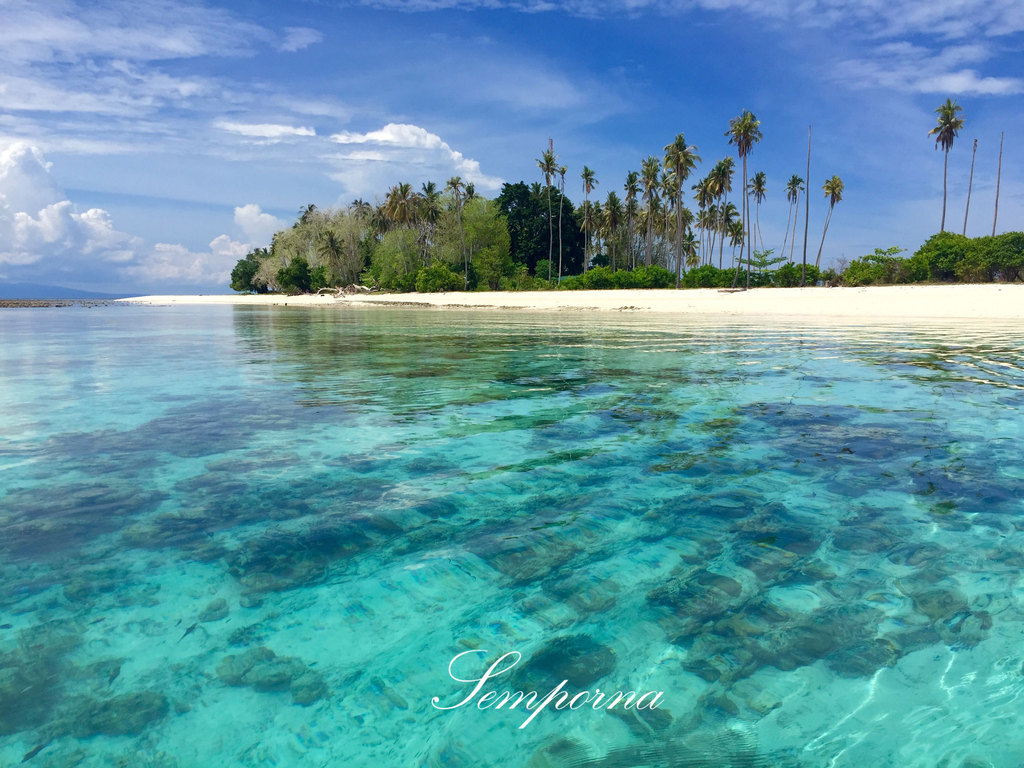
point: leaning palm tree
(589, 182)
(548, 164)
(632, 188)
(794, 187)
(681, 158)
(723, 186)
(744, 131)
(757, 191)
(612, 219)
(834, 192)
(649, 176)
(948, 127)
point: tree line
(532, 236)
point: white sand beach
(979, 302)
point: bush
(243, 273)
(294, 278)
(522, 280)
(438, 277)
(788, 275)
(708, 276)
(939, 256)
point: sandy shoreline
(977, 302)
(922, 302)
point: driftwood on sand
(348, 290)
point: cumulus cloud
(396, 148)
(45, 238)
(269, 131)
(257, 226)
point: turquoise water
(257, 537)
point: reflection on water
(256, 537)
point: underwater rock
(308, 688)
(273, 674)
(214, 611)
(939, 604)
(644, 723)
(232, 669)
(576, 658)
(584, 595)
(864, 659)
(528, 558)
(126, 715)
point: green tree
(457, 190)
(744, 131)
(589, 182)
(649, 172)
(612, 220)
(794, 187)
(834, 192)
(548, 164)
(757, 191)
(681, 158)
(632, 189)
(400, 205)
(295, 277)
(945, 132)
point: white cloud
(297, 38)
(271, 131)
(45, 238)
(917, 69)
(399, 148)
(257, 226)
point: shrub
(438, 277)
(940, 255)
(295, 277)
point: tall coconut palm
(589, 182)
(744, 131)
(457, 190)
(757, 191)
(703, 196)
(722, 175)
(690, 255)
(548, 164)
(632, 188)
(649, 172)
(612, 219)
(794, 187)
(834, 192)
(970, 185)
(428, 212)
(329, 248)
(561, 196)
(681, 158)
(948, 127)
(400, 205)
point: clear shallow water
(808, 538)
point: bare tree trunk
(785, 240)
(747, 201)
(999, 177)
(561, 197)
(970, 183)
(807, 210)
(796, 217)
(817, 261)
(945, 168)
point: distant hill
(36, 291)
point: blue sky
(147, 147)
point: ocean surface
(236, 536)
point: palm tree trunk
(970, 183)
(945, 167)
(785, 240)
(999, 176)
(807, 210)
(551, 235)
(757, 219)
(679, 235)
(796, 216)
(561, 197)
(817, 261)
(721, 245)
(747, 201)
(586, 231)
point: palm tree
(970, 185)
(703, 196)
(834, 192)
(457, 190)
(561, 196)
(429, 210)
(306, 212)
(723, 186)
(612, 219)
(744, 131)
(548, 164)
(681, 158)
(757, 191)
(589, 182)
(329, 248)
(649, 176)
(794, 187)
(689, 243)
(948, 127)
(632, 188)
(400, 204)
